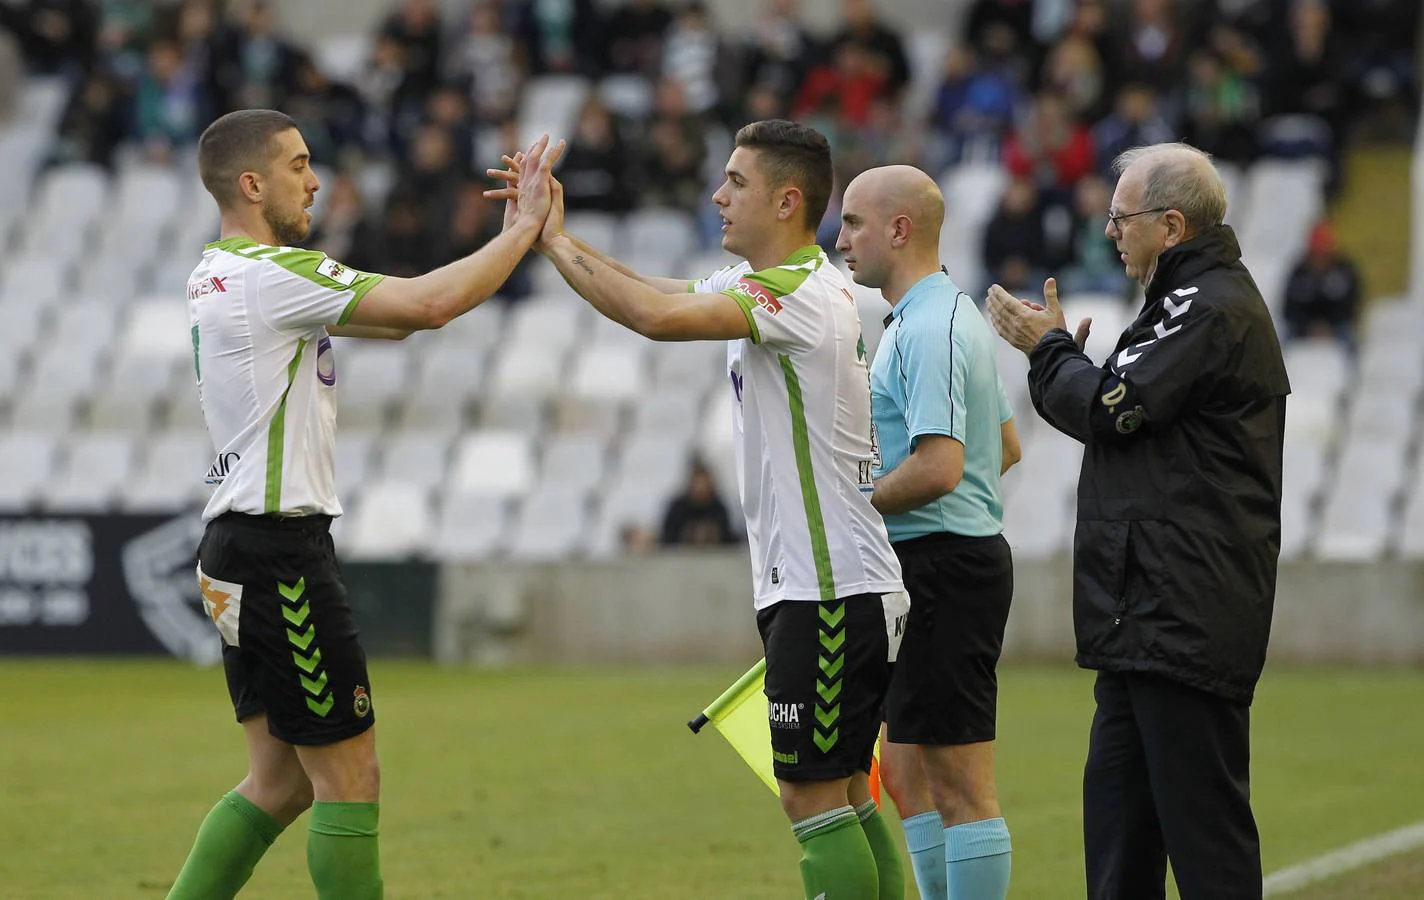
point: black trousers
(1168, 775)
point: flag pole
(728, 696)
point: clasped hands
(530, 191)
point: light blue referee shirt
(934, 373)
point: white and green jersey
(266, 373)
(802, 433)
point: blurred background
(536, 484)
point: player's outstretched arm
(433, 299)
(510, 193)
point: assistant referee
(946, 435)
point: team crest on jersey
(361, 702)
(336, 272)
(325, 362)
(764, 298)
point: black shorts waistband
(315, 524)
(941, 540)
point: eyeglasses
(1118, 218)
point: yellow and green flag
(739, 714)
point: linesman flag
(740, 715)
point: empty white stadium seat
(550, 106)
(129, 395)
(675, 409)
(694, 364)
(470, 527)
(449, 377)
(371, 377)
(494, 463)
(971, 191)
(573, 463)
(418, 457)
(1355, 524)
(96, 465)
(1110, 315)
(170, 474)
(655, 231)
(27, 458)
(1317, 367)
(392, 521)
(628, 95)
(551, 525)
(354, 459)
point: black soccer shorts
(273, 589)
(827, 669)
(945, 687)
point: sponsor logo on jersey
(325, 362)
(222, 467)
(336, 272)
(784, 715)
(222, 601)
(764, 298)
(210, 285)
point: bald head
(891, 218)
(1176, 176)
(892, 191)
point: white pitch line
(1354, 856)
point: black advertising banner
(126, 584)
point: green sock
(230, 841)
(343, 853)
(836, 862)
(885, 850)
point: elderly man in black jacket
(1178, 531)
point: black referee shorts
(945, 686)
(290, 648)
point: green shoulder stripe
(791, 274)
(313, 265)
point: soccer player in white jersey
(261, 312)
(829, 599)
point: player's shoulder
(296, 265)
(807, 269)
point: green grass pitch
(545, 784)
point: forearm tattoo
(583, 264)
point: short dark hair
(238, 142)
(797, 155)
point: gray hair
(1180, 177)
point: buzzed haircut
(238, 142)
(796, 155)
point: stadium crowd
(1052, 88)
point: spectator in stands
(843, 90)
(697, 516)
(57, 36)
(1014, 241)
(1050, 147)
(449, 109)
(1136, 121)
(1074, 70)
(762, 101)
(93, 124)
(1093, 266)
(973, 110)
(402, 242)
(393, 101)
(1220, 109)
(337, 231)
(1304, 82)
(125, 27)
(1382, 55)
(1323, 292)
(169, 107)
(416, 29)
(1152, 45)
(260, 67)
(594, 171)
(1003, 24)
(780, 52)
(330, 114)
(690, 57)
(674, 153)
(432, 176)
(634, 37)
(861, 28)
(559, 36)
(474, 222)
(485, 58)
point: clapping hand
(514, 175)
(1023, 323)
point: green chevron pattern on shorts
(825, 733)
(305, 654)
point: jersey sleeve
(776, 315)
(719, 280)
(934, 370)
(304, 289)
